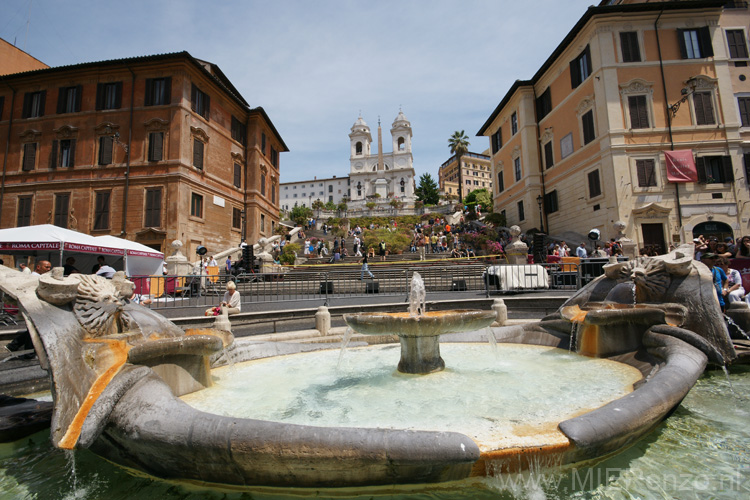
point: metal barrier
(198, 291)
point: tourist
(729, 241)
(599, 252)
(382, 250)
(24, 268)
(69, 267)
(212, 262)
(307, 248)
(733, 292)
(581, 252)
(230, 302)
(564, 249)
(421, 243)
(371, 252)
(43, 266)
(228, 264)
(722, 250)
(106, 271)
(365, 269)
(743, 249)
(719, 277)
(99, 263)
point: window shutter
(704, 36)
(42, 102)
(640, 168)
(728, 171)
(638, 111)
(575, 72)
(193, 97)
(105, 150)
(700, 164)
(26, 112)
(62, 93)
(155, 146)
(29, 156)
(99, 96)
(118, 95)
(149, 95)
(79, 96)
(681, 40)
(207, 107)
(53, 155)
(549, 159)
(746, 161)
(72, 157)
(704, 108)
(197, 154)
(744, 106)
(168, 90)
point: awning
(681, 166)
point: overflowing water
(344, 343)
(732, 325)
(417, 296)
(700, 452)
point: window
(500, 182)
(101, 210)
(401, 144)
(196, 205)
(273, 192)
(239, 131)
(638, 108)
(69, 99)
(106, 144)
(746, 162)
(153, 207)
(517, 168)
(744, 105)
(704, 108)
(262, 223)
(695, 43)
(24, 211)
(631, 51)
(646, 173)
(158, 91)
(275, 157)
(550, 202)
(63, 153)
(263, 184)
(263, 143)
(521, 214)
(33, 104)
(514, 124)
(543, 105)
(595, 188)
(549, 159)
(358, 148)
(155, 146)
(714, 169)
(200, 102)
(62, 207)
(198, 154)
(736, 43)
(587, 120)
(2, 105)
(330, 189)
(29, 157)
(236, 218)
(237, 175)
(108, 95)
(580, 68)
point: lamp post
(686, 92)
(539, 201)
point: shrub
(290, 253)
(395, 242)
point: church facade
(381, 177)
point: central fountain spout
(418, 330)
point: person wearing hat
(719, 277)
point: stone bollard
(501, 310)
(323, 320)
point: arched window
(359, 189)
(359, 148)
(401, 144)
(403, 185)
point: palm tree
(459, 144)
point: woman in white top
(231, 299)
(734, 291)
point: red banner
(681, 166)
(29, 246)
(77, 247)
(743, 266)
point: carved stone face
(651, 277)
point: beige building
(477, 174)
(589, 134)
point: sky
(315, 65)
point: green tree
(481, 197)
(300, 214)
(330, 205)
(318, 205)
(459, 144)
(427, 190)
(342, 207)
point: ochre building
(152, 149)
(586, 139)
(477, 174)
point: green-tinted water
(702, 451)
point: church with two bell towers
(381, 177)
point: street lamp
(686, 92)
(539, 201)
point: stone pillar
(323, 320)
(501, 310)
(629, 249)
(177, 263)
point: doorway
(653, 236)
(719, 230)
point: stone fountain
(117, 371)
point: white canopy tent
(56, 244)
